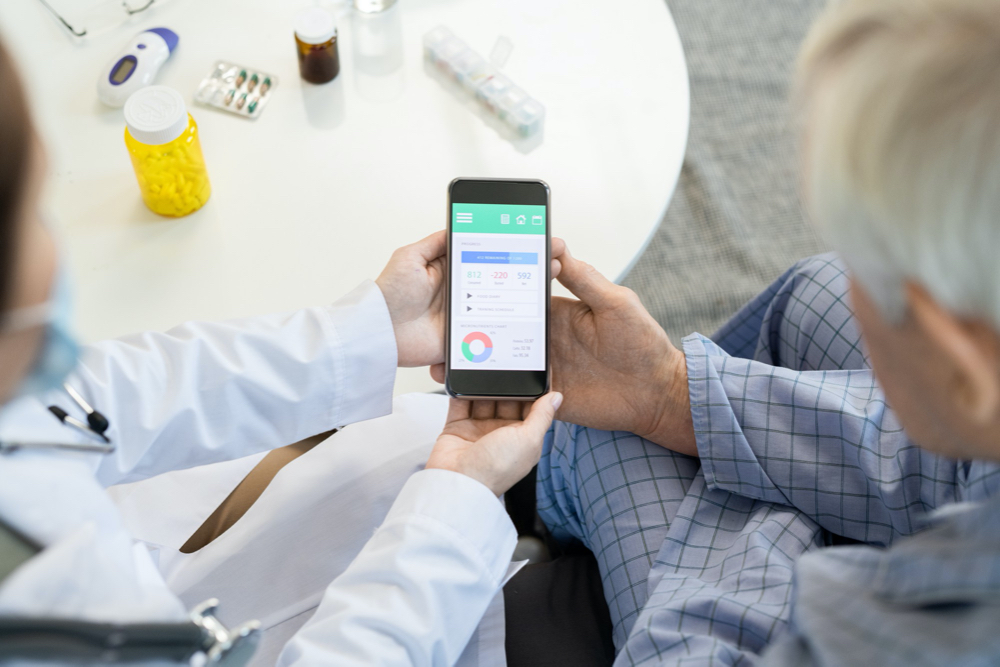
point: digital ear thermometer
(136, 66)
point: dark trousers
(555, 611)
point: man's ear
(972, 347)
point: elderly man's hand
(614, 364)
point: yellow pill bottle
(162, 140)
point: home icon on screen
(520, 220)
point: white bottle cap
(315, 26)
(155, 115)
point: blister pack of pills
(481, 79)
(240, 90)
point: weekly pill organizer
(481, 80)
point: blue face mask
(59, 352)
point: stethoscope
(95, 427)
(71, 641)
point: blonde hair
(900, 107)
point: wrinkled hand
(413, 286)
(496, 443)
(614, 363)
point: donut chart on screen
(467, 349)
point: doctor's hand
(496, 443)
(412, 284)
(615, 364)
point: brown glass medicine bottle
(316, 42)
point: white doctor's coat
(205, 393)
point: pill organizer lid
(155, 115)
(315, 26)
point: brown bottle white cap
(315, 26)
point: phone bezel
(499, 385)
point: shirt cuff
(465, 508)
(364, 346)
(703, 382)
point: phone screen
(499, 287)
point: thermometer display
(123, 69)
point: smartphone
(499, 259)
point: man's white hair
(900, 105)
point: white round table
(313, 196)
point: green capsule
(241, 78)
(240, 102)
(253, 105)
(253, 82)
(266, 86)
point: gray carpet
(736, 221)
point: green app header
(498, 219)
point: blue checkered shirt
(798, 451)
